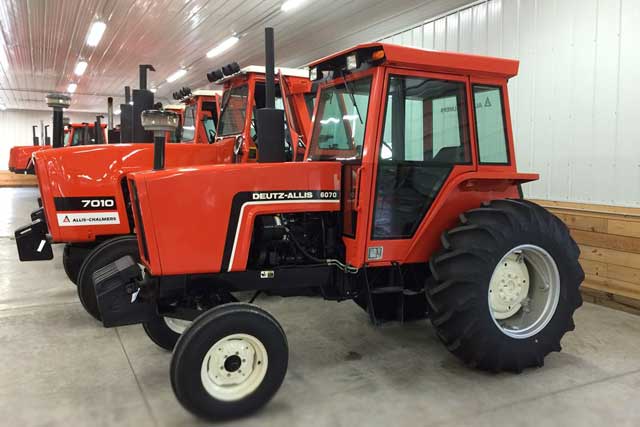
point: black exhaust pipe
(36, 140)
(126, 117)
(47, 140)
(97, 130)
(270, 122)
(58, 102)
(110, 113)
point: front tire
(505, 286)
(230, 362)
(165, 331)
(105, 253)
(72, 258)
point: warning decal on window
(77, 219)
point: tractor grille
(136, 212)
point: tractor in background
(85, 197)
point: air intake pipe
(270, 122)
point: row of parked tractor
(381, 174)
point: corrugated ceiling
(41, 41)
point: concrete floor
(59, 367)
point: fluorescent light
(3, 107)
(290, 5)
(117, 112)
(80, 68)
(95, 33)
(130, 102)
(225, 45)
(72, 87)
(175, 76)
(154, 90)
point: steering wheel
(237, 145)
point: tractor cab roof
(416, 59)
(174, 107)
(259, 69)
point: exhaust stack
(58, 102)
(270, 122)
(36, 140)
(47, 140)
(110, 113)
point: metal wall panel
(574, 103)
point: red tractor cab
(74, 134)
(85, 197)
(408, 203)
(244, 94)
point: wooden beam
(10, 179)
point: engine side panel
(199, 220)
(81, 186)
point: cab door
(422, 140)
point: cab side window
(426, 133)
(490, 125)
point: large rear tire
(105, 253)
(230, 362)
(505, 286)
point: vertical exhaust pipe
(270, 122)
(269, 65)
(110, 113)
(47, 140)
(127, 94)
(97, 130)
(36, 140)
(58, 102)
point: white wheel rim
(524, 291)
(234, 367)
(177, 325)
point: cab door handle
(358, 179)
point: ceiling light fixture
(117, 112)
(223, 46)
(80, 68)
(95, 33)
(175, 76)
(154, 90)
(290, 5)
(72, 87)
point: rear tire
(230, 362)
(505, 286)
(105, 253)
(72, 258)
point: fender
(208, 228)
(19, 157)
(81, 187)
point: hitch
(117, 285)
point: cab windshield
(234, 109)
(338, 132)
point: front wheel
(165, 331)
(505, 286)
(105, 253)
(72, 258)
(229, 362)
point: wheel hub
(524, 291)
(509, 286)
(234, 367)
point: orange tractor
(74, 134)
(408, 202)
(85, 197)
